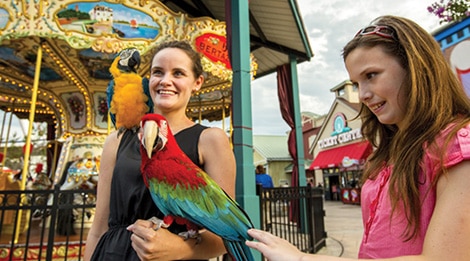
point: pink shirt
(383, 236)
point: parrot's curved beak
(150, 133)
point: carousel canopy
(276, 29)
(80, 39)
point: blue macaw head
(129, 60)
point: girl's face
(172, 80)
(379, 77)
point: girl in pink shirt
(415, 195)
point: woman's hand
(161, 244)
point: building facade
(339, 150)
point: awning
(344, 156)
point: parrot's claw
(158, 223)
(191, 234)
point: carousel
(54, 69)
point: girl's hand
(272, 247)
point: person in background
(334, 191)
(263, 178)
(121, 229)
(414, 200)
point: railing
(45, 224)
(53, 224)
(295, 214)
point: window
(341, 92)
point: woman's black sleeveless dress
(130, 199)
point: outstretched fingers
(272, 247)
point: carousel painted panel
(75, 102)
(100, 18)
(101, 110)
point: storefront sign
(340, 124)
(348, 162)
(354, 134)
(341, 133)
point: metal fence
(53, 224)
(295, 214)
(44, 224)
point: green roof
(272, 147)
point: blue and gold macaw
(128, 94)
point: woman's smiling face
(172, 79)
(379, 78)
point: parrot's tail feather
(238, 251)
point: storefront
(340, 150)
(342, 169)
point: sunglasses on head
(380, 30)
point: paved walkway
(343, 224)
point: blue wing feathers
(203, 212)
(238, 250)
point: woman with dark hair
(121, 229)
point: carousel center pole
(27, 151)
(5, 148)
(3, 126)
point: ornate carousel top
(78, 42)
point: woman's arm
(100, 221)
(448, 234)
(217, 157)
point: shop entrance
(332, 187)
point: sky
(329, 24)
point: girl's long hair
(436, 98)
